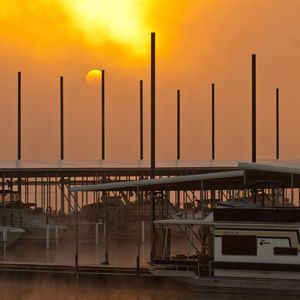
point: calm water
(24, 286)
(45, 287)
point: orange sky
(197, 43)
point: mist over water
(105, 287)
(122, 252)
(48, 287)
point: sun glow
(112, 21)
(103, 30)
(93, 78)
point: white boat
(9, 235)
(37, 224)
(242, 245)
(123, 215)
(258, 243)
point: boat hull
(13, 234)
(40, 232)
(225, 283)
(245, 284)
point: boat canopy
(243, 217)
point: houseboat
(240, 246)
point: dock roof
(157, 182)
(111, 167)
(279, 166)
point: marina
(209, 224)
(146, 150)
(117, 220)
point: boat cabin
(244, 242)
(260, 243)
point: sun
(93, 78)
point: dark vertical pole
(178, 124)
(104, 196)
(141, 121)
(62, 190)
(152, 102)
(19, 115)
(19, 130)
(62, 196)
(152, 136)
(213, 121)
(61, 117)
(253, 107)
(76, 236)
(177, 194)
(138, 231)
(277, 123)
(103, 112)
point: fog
(45, 287)
(49, 287)
(198, 42)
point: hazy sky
(198, 42)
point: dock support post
(292, 189)
(165, 242)
(4, 237)
(76, 236)
(143, 231)
(47, 235)
(177, 199)
(138, 232)
(203, 216)
(105, 262)
(202, 200)
(97, 234)
(190, 242)
(62, 196)
(56, 236)
(244, 190)
(47, 211)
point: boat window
(285, 251)
(239, 245)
